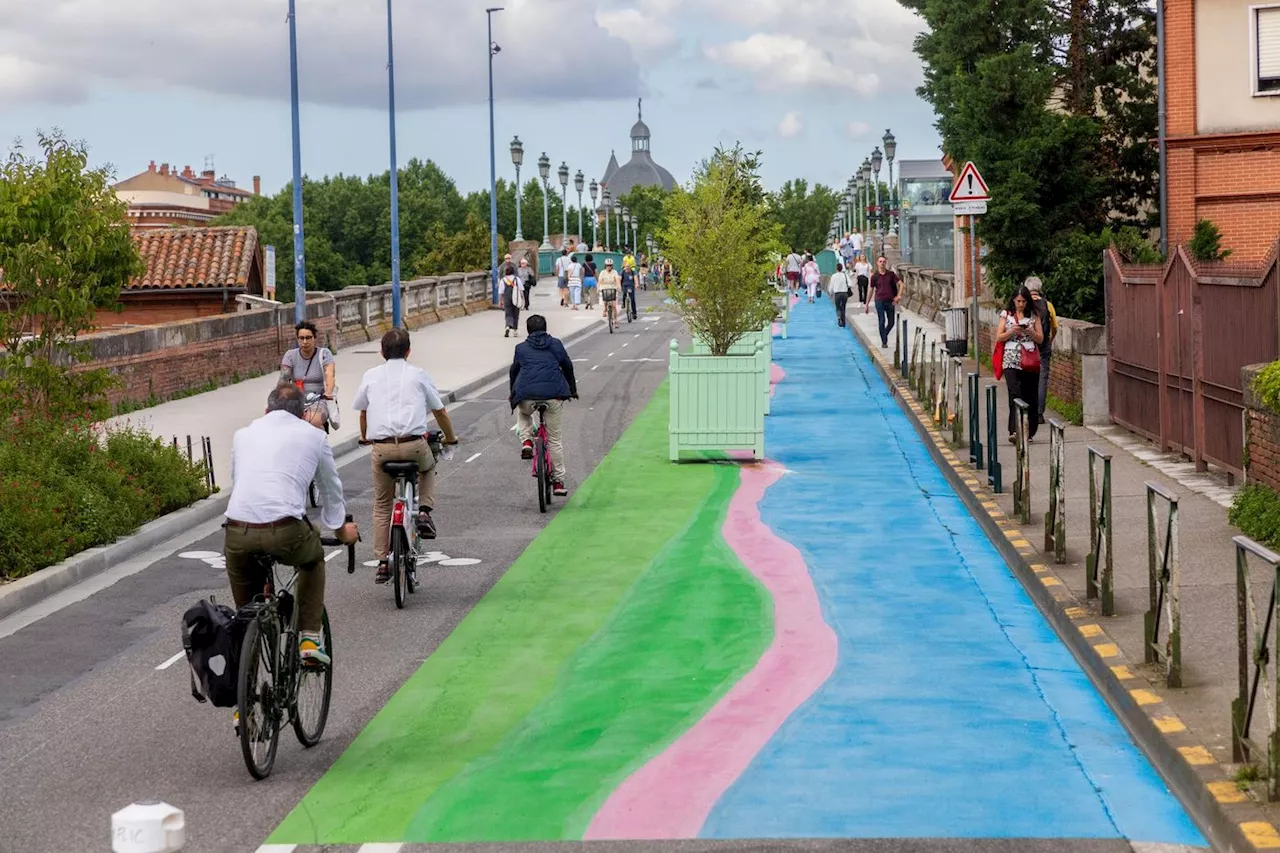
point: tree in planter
(66, 253)
(721, 238)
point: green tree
(805, 216)
(464, 251)
(722, 239)
(1206, 243)
(648, 204)
(66, 254)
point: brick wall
(1180, 66)
(1065, 367)
(1262, 435)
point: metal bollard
(1098, 576)
(957, 422)
(1164, 570)
(1022, 462)
(1055, 520)
(975, 434)
(1254, 647)
(994, 469)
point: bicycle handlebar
(351, 548)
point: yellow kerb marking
(1122, 672)
(1090, 630)
(1107, 650)
(1019, 541)
(1144, 697)
(1227, 791)
(1038, 568)
(1261, 834)
(988, 504)
(1049, 580)
(1169, 725)
(1198, 755)
(1073, 612)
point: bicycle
(610, 298)
(630, 313)
(313, 494)
(273, 682)
(403, 557)
(542, 457)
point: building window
(1266, 49)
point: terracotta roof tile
(214, 257)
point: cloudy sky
(812, 83)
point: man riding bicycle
(394, 400)
(629, 288)
(542, 372)
(273, 460)
(609, 284)
(311, 368)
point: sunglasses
(306, 337)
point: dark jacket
(541, 370)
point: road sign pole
(969, 197)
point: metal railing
(1098, 574)
(206, 458)
(957, 382)
(905, 366)
(975, 433)
(994, 470)
(1022, 461)
(1164, 571)
(1254, 648)
(1055, 520)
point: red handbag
(1031, 359)
(997, 360)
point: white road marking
(328, 557)
(627, 344)
(610, 355)
(277, 848)
(381, 847)
(171, 661)
(472, 458)
(597, 367)
(635, 336)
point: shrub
(1267, 386)
(66, 487)
(1256, 511)
(1206, 243)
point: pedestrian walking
(1049, 325)
(513, 300)
(573, 275)
(793, 264)
(886, 287)
(562, 275)
(839, 287)
(589, 281)
(846, 251)
(862, 274)
(527, 278)
(1017, 351)
(812, 276)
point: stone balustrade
(364, 313)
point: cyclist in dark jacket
(542, 372)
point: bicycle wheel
(257, 693)
(399, 564)
(311, 701)
(544, 476)
(313, 495)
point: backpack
(211, 637)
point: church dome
(640, 170)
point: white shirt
(862, 268)
(397, 398)
(276, 457)
(574, 273)
(839, 283)
(562, 265)
(856, 239)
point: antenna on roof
(208, 163)
(640, 109)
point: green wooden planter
(746, 345)
(716, 404)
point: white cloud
(780, 63)
(857, 130)
(791, 126)
(57, 49)
(646, 33)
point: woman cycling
(311, 368)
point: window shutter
(1268, 24)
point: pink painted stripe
(672, 795)
(776, 331)
(776, 375)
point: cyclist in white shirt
(562, 276)
(394, 400)
(273, 461)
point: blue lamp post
(493, 168)
(299, 262)
(395, 179)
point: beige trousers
(384, 486)
(524, 421)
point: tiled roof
(215, 257)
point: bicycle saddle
(401, 469)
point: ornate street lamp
(563, 173)
(577, 185)
(877, 160)
(890, 149)
(517, 159)
(595, 219)
(635, 232)
(606, 203)
(544, 172)
(617, 223)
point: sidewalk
(1202, 707)
(457, 353)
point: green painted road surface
(615, 631)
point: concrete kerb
(1229, 820)
(31, 590)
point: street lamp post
(493, 166)
(544, 172)
(891, 148)
(577, 185)
(563, 173)
(617, 224)
(877, 160)
(624, 217)
(860, 210)
(635, 232)
(595, 218)
(606, 201)
(299, 262)
(395, 178)
(517, 158)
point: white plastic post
(148, 827)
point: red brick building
(1222, 73)
(166, 198)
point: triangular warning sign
(970, 186)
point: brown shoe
(384, 572)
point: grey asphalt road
(92, 719)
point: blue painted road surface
(954, 710)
